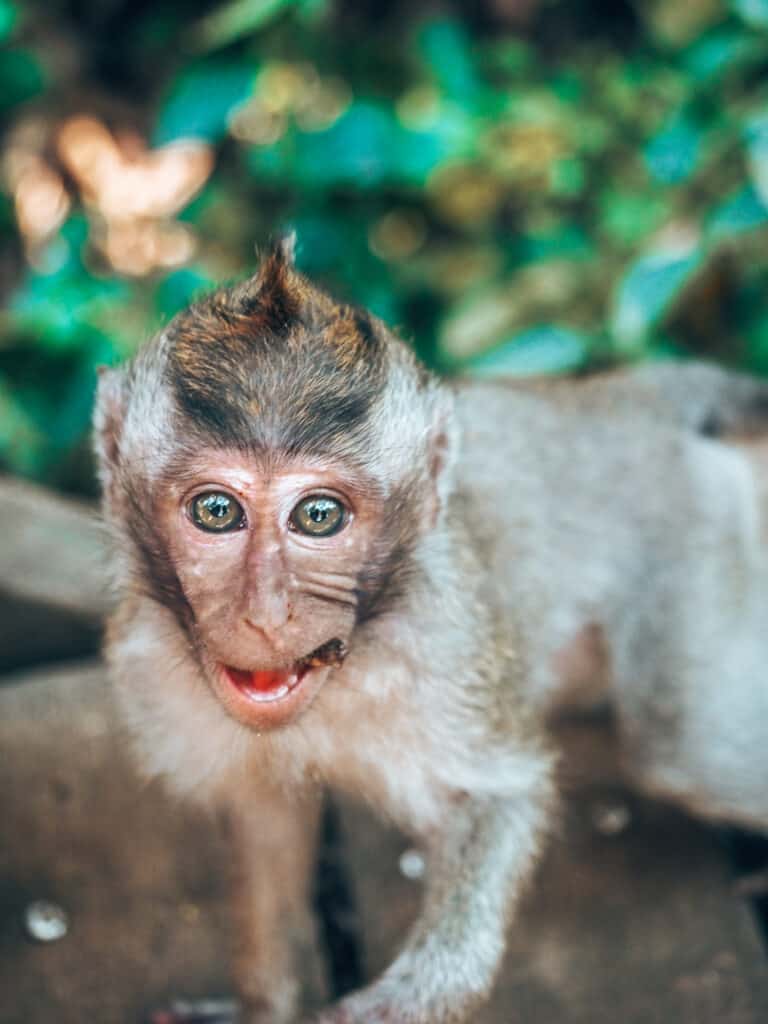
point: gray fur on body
(602, 504)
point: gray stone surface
(53, 575)
(53, 549)
(143, 884)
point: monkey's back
(595, 508)
(619, 538)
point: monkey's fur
(510, 550)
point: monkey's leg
(700, 738)
(273, 845)
(691, 665)
(477, 863)
(274, 849)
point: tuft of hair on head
(272, 298)
(286, 246)
(276, 361)
(275, 367)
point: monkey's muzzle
(264, 686)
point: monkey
(336, 569)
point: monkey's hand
(396, 999)
(476, 865)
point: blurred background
(518, 186)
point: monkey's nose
(268, 617)
(268, 632)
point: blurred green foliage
(518, 188)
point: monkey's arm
(477, 862)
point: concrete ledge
(53, 575)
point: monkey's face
(268, 562)
(271, 461)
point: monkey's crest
(275, 362)
(274, 368)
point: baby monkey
(337, 569)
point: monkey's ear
(443, 442)
(108, 417)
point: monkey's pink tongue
(265, 685)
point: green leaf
(8, 16)
(568, 176)
(756, 340)
(179, 288)
(754, 12)
(21, 78)
(566, 241)
(647, 291)
(201, 100)
(545, 349)
(716, 52)
(71, 415)
(63, 305)
(21, 444)
(628, 217)
(447, 50)
(365, 148)
(360, 147)
(239, 18)
(743, 211)
(756, 132)
(509, 54)
(673, 155)
(322, 242)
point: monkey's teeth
(263, 698)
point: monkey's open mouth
(265, 685)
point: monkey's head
(271, 463)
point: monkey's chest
(379, 749)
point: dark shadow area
(336, 908)
(32, 634)
(749, 855)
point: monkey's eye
(216, 512)
(318, 516)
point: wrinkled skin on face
(271, 609)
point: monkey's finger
(349, 1013)
(333, 1015)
